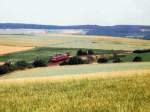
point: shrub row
(20, 65)
(76, 60)
(142, 51)
(81, 52)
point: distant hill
(130, 31)
(37, 26)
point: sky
(76, 12)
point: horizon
(76, 24)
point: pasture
(74, 41)
(75, 70)
(114, 92)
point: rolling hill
(130, 31)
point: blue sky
(75, 12)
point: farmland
(74, 41)
(111, 87)
(75, 70)
(44, 52)
(127, 92)
(11, 49)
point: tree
(22, 65)
(75, 60)
(102, 60)
(63, 63)
(116, 58)
(10, 66)
(4, 69)
(90, 52)
(137, 59)
(39, 63)
(80, 52)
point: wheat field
(108, 92)
(74, 41)
(12, 49)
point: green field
(126, 94)
(145, 57)
(75, 70)
(44, 52)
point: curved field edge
(75, 41)
(77, 69)
(89, 76)
(129, 93)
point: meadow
(125, 92)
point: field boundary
(89, 76)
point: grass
(80, 69)
(145, 57)
(43, 52)
(108, 94)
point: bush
(117, 60)
(81, 53)
(22, 65)
(102, 60)
(10, 66)
(75, 60)
(137, 59)
(4, 69)
(39, 63)
(63, 63)
(90, 52)
(142, 51)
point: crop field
(11, 49)
(74, 41)
(75, 70)
(44, 53)
(111, 87)
(114, 92)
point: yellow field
(126, 91)
(120, 39)
(75, 41)
(89, 76)
(11, 49)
